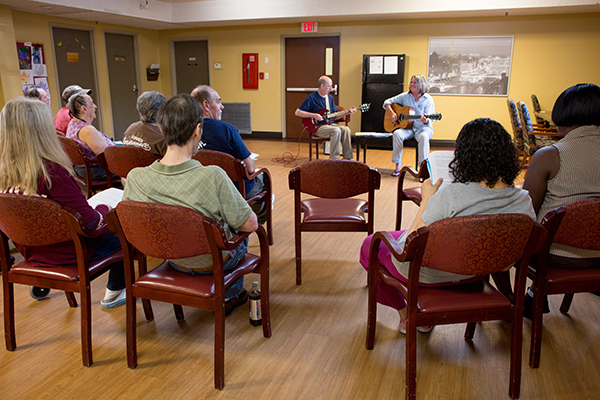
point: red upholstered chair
(317, 140)
(334, 185)
(409, 194)
(122, 159)
(172, 232)
(36, 221)
(470, 245)
(78, 157)
(236, 170)
(576, 225)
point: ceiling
(176, 14)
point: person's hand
(394, 117)
(318, 117)
(353, 110)
(424, 119)
(428, 189)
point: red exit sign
(309, 27)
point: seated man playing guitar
(418, 99)
(314, 106)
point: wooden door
(306, 59)
(122, 77)
(75, 64)
(191, 64)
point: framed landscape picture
(469, 66)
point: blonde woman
(33, 162)
(80, 129)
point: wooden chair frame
(332, 182)
(577, 225)
(140, 226)
(470, 303)
(409, 194)
(237, 172)
(54, 225)
(78, 157)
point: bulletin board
(32, 65)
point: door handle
(334, 90)
(302, 89)
(134, 88)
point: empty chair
(522, 146)
(334, 185)
(470, 245)
(535, 136)
(237, 172)
(576, 225)
(173, 232)
(37, 221)
(409, 194)
(537, 110)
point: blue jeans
(234, 258)
(116, 276)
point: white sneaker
(113, 298)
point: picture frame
(469, 66)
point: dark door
(306, 59)
(191, 65)
(75, 64)
(120, 55)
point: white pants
(337, 134)
(423, 136)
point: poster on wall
(32, 65)
(469, 66)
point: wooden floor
(317, 350)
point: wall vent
(238, 115)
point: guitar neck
(336, 114)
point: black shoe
(237, 301)
(528, 305)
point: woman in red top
(33, 162)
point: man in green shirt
(180, 180)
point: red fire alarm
(250, 70)
(261, 75)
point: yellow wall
(10, 79)
(550, 53)
(37, 28)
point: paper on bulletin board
(32, 65)
(390, 65)
(376, 65)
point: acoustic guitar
(311, 124)
(405, 118)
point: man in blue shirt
(418, 99)
(224, 137)
(322, 100)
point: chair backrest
(580, 225)
(516, 123)
(164, 231)
(233, 167)
(334, 179)
(524, 116)
(122, 159)
(32, 220)
(536, 103)
(74, 150)
(477, 244)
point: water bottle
(254, 295)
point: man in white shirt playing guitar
(314, 106)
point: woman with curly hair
(484, 168)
